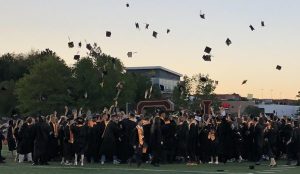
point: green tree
(45, 88)
(181, 93)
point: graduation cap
(262, 23)
(278, 67)
(203, 79)
(76, 57)
(137, 26)
(71, 44)
(252, 28)
(85, 95)
(162, 87)
(216, 82)
(168, 31)
(129, 54)
(127, 5)
(228, 42)
(154, 34)
(108, 33)
(89, 47)
(244, 82)
(79, 44)
(206, 57)
(202, 15)
(147, 26)
(207, 50)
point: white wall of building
(281, 110)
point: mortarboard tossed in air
(79, 44)
(154, 34)
(252, 28)
(130, 54)
(108, 33)
(203, 79)
(85, 95)
(137, 26)
(206, 58)
(127, 5)
(278, 67)
(202, 15)
(262, 23)
(147, 26)
(228, 42)
(89, 47)
(207, 50)
(162, 87)
(76, 57)
(70, 43)
(216, 82)
(168, 31)
(244, 82)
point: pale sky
(40, 24)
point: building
(165, 78)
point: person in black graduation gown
(25, 146)
(296, 141)
(258, 139)
(137, 142)
(147, 134)
(68, 141)
(156, 141)
(182, 135)
(225, 139)
(98, 130)
(287, 137)
(192, 140)
(2, 138)
(127, 125)
(168, 135)
(80, 131)
(11, 142)
(270, 133)
(41, 133)
(109, 140)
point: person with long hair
(156, 141)
(11, 141)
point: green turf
(11, 167)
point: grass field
(230, 168)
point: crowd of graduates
(185, 137)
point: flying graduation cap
(278, 67)
(85, 95)
(168, 31)
(228, 42)
(147, 26)
(203, 79)
(129, 54)
(70, 43)
(207, 50)
(202, 15)
(89, 47)
(137, 26)
(252, 28)
(244, 82)
(127, 5)
(206, 58)
(162, 87)
(76, 57)
(79, 44)
(154, 34)
(108, 33)
(262, 23)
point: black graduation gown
(258, 140)
(80, 138)
(53, 143)
(11, 142)
(98, 130)
(192, 141)
(41, 133)
(156, 145)
(25, 139)
(109, 140)
(125, 149)
(225, 140)
(168, 137)
(182, 135)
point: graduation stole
(141, 135)
(211, 135)
(71, 140)
(55, 129)
(106, 123)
